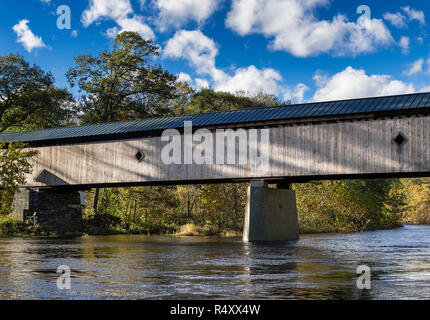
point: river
(158, 267)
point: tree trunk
(146, 220)
(96, 200)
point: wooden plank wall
(339, 148)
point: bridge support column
(270, 214)
(52, 210)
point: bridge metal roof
(409, 103)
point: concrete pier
(270, 214)
(52, 210)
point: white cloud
(416, 67)
(25, 36)
(298, 93)
(135, 24)
(404, 44)
(399, 20)
(201, 83)
(194, 46)
(184, 77)
(352, 83)
(201, 51)
(415, 15)
(396, 19)
(178, 13)
(251, 80)
(293, 27)
(425, 89)
(198, 83)
(113, 9)
(121, 12)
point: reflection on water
(153, 267)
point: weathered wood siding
(339, 148)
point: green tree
(14, 165)
(139, 209)
(28, 100)
(122, 84)
(208, 100)
(28, 97)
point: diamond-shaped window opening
(400, 139)
(139, 155)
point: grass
(15, 228)
(192, 230)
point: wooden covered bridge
(360, 138)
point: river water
(156, 267)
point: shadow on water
(156, 267)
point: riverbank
(191, 230)
(188, 230)
(14, 228)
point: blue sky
(302, 50)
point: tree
(224, 204)
(208, 100)
(417, 192)
(14, 165)
(184, 94)
(28, 97)
(122, 84)
(188, 196)
(349, 205)
(149, 209)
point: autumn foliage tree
(417, 210)
(349, 205)
(223, 205)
